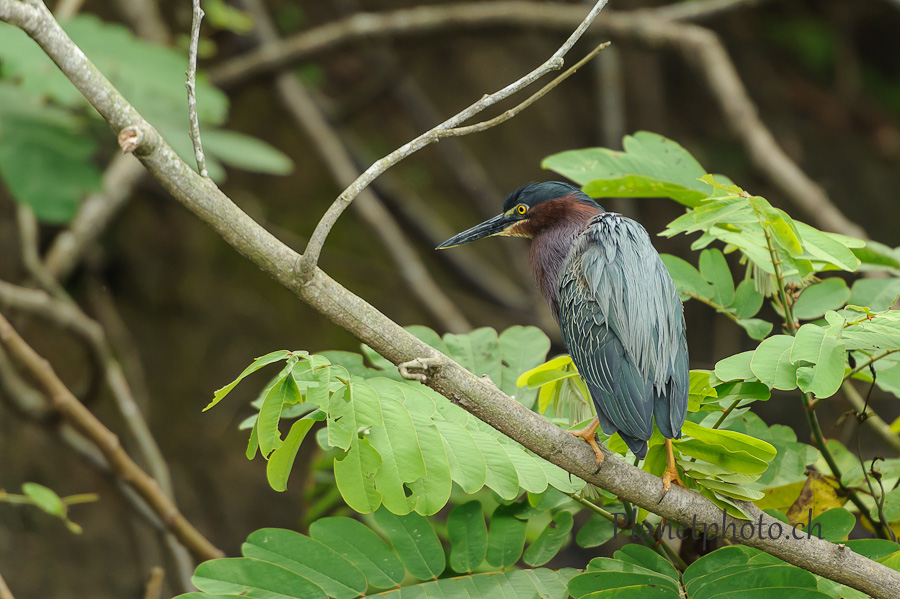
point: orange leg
(589, 434)
(671, 474)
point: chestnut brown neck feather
(553, 227)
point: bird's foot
(589, 435)
(670, 476)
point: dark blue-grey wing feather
(623, 324)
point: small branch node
(417, 370)
(130, 139)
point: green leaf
(414, 541)
(354, 476)
(731, 440)
(431, 492)
(365, 549)
(747, 300)
(731, 490)
(308, 558)
(652, 585)
(38, 139)
(467, 466)
(284, 392)
(736, 367)
(531, 476)
(728, 392)
(645, 557)
(650, 166)
(550, 541)
(501, 474)
(506, 538)
(401, 455)
(596, 531)
(877, 294)
(521, 348)
(243, 575)
(468, 536)
(477, 351)
(831, 294)
(246, 152)
(282, 459)
(355, 406)
(45, 498)
(836, 524)
(699, 389)
(826, 353)
(756, 328)
(715, 269)
(830, 247)
(258, 363)
(688, 279)
(771, 363)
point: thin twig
(323, 228)
(191, 85)
(881, 428)
(501, 118)
(107, 442)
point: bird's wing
(623, 324)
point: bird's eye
(521, 208)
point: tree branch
(106, 441)
(350, 312)
(311, 255)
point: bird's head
(529, 209)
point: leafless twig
(107, 442)
(505, 116)
(191, 85)
(317, 240)
(881, 428)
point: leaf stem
(727, 411)
(779, 276)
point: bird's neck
(549, 248)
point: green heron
(619, 314)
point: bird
(619, 314)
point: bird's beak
(494, 226)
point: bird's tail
(637, 446)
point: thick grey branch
(361, 319)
